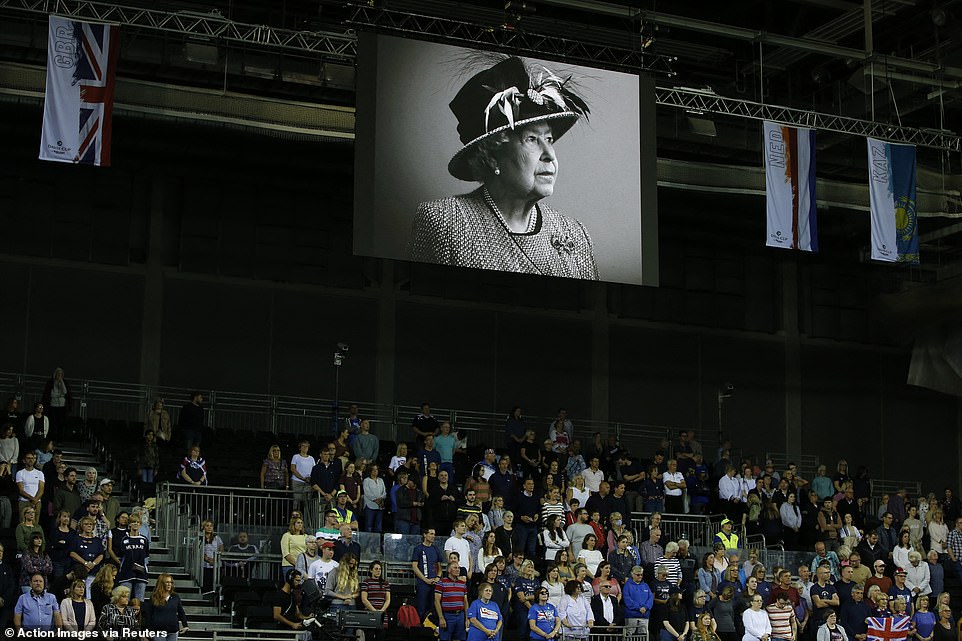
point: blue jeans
(137, 589)
(654, 505)
(373, 520)
(406, 527)
(147, 475)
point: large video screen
(492, 161)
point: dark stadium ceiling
(807, 54)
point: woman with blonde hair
(88, 486)
(102, 587)
(164, 612)
(938, 531)
(293, 543)
(77, 610)
(577, 490)
(274, 474)
(117, 615)
(212, 546)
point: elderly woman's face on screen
(528, 163)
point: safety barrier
(698, 529)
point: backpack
(407, 616)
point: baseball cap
(327, 544)
(724, 521)
(900, 571)
(105, 482)
(488, 451)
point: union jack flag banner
(81, 66)
(894, 628)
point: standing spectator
(576, 462)
(191, 420)
(951, 506)
(561, 432)
(164, 612)
(10, 447)
(302, 464)
(36, 427)
(410, 500)
(424, 424)
(375, 495)
(57, 398)
(274, 470)
(213, 545)
(35, 561)
(149, 460)
(77, 610)
(514, 430)
(446, 444)
(326, 476)
(936, 573)
(117, 616)
(133, 550)
(366, 446)
(293, 542)
(193, 469)
(451, 604)
(37, 610)
(376, 593)
(30, 484)
(938, 532)
(426, 564)
(158, 420)
(674, 484)
(26, 529)
(59, 543)
(638, 600)
(88, 486)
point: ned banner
(81, 68)
(790, 187)
(895, 231)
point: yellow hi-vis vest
(729, 540)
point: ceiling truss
(701, 102)
(343, 46)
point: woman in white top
(938, 530)
(10, 448)
(554, 538)
(900, 555)
(577, 490)
(375, 494)
(575, 612)
(848, 530)
(555, 586)
(488, 551)
(400, 458)
(758, 627)
(589, 555)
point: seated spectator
(243, 546)
(285, 608)
(193, 469)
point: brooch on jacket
(562, 243)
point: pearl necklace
(497, 212)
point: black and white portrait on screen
(493, 161)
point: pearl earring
(497, 171)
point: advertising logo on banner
(81, 68)
(895, 231)
(790, 187)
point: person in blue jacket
(638, 599)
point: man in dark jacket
(607, 610)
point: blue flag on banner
(895, 231)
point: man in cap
(726, 537)
(320, 568)
(344, 514)
(110, 505)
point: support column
(600, 361)
(793, 367)
(151, 325)
(386, 336)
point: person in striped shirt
(376, 594)
(451, 603)
(781, 614)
